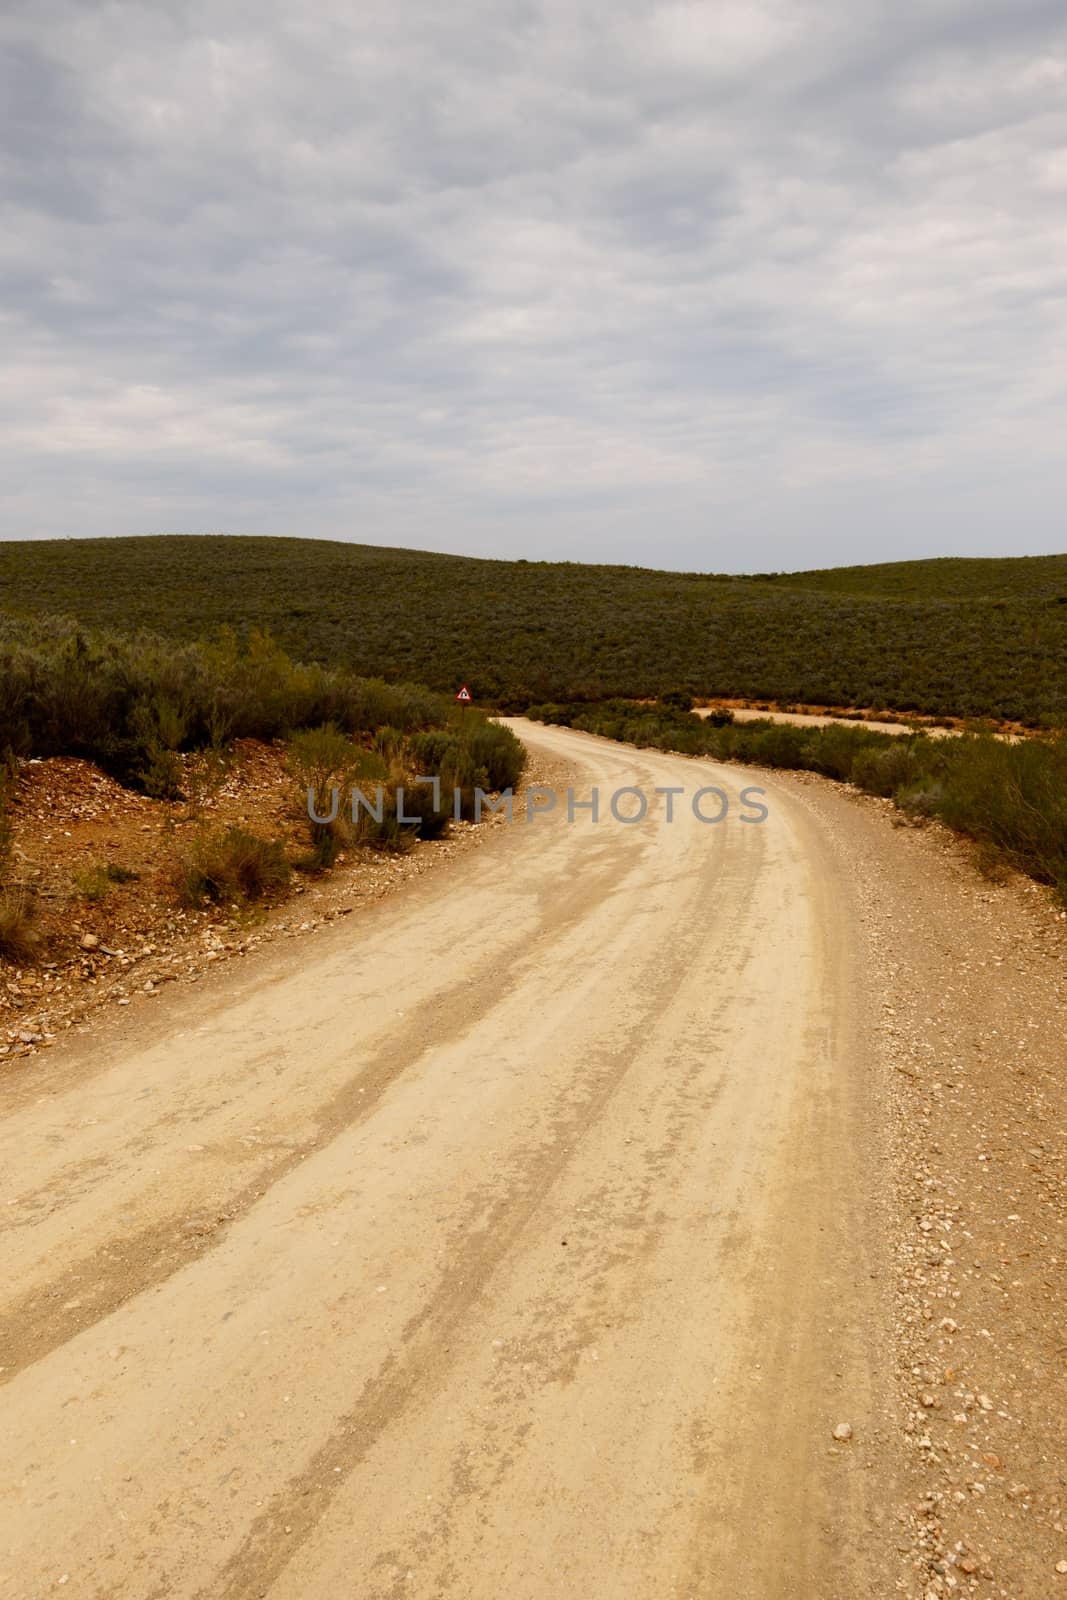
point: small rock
(843, 1431)
(1061, 1566)
(89, 941)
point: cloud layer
(729, 286)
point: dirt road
(523, 1240)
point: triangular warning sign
(464, 694)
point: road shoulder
(972, 1018)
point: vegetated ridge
(949, 637)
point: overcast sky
(727, 286)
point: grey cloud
(742, 285)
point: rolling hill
(982, 638)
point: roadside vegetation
(1009, 798)
(132, 703)
(231, 867)
(19, 936)
(96, 883)
(946, 638)
(162, 719)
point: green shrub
(1012, 797)
(429, 751)
(771, 744)
(7, 826)
(885, 770)
(93, 884)
(833, 750)
(327, 765)
(419, 802)
(328, 840)
(389, 742)
(19, 934)
(923, 798)
(388, 834)
(551, 713)
(231, 866)
(116, 873)
(494, 750)
(323, 758)
(204, 777)
(322, 752)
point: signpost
(464, 697)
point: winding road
(520, 1239)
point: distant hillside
(973, 638)
(946, 578)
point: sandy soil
(532, 1232)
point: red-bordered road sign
(464, 695)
